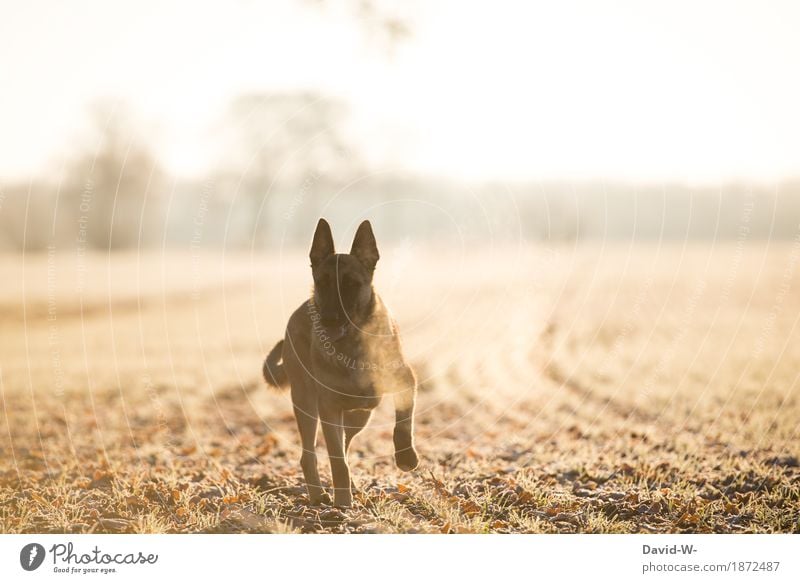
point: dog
(341, 354)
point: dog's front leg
(404, 453)
(333, 429)
(305, 411)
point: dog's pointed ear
(322, 246)
(365, 249)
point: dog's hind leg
(307, 416)
(404, 453)
(333, 429)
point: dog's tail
(274, 371)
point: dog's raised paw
(406, 459)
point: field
(607, 388)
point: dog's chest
(353, 388)
(353, 375)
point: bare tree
(114, 184)
(286, 145)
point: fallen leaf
(135, 502)
(469, 507)
(100, 475)
(113, 524)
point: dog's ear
(365, 249)
(322, 246)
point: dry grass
(645, 389)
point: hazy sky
(634, 90)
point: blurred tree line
(288, 160)
(114, 194)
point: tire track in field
(556, 374)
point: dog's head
(343, 282)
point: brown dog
(341, 354)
